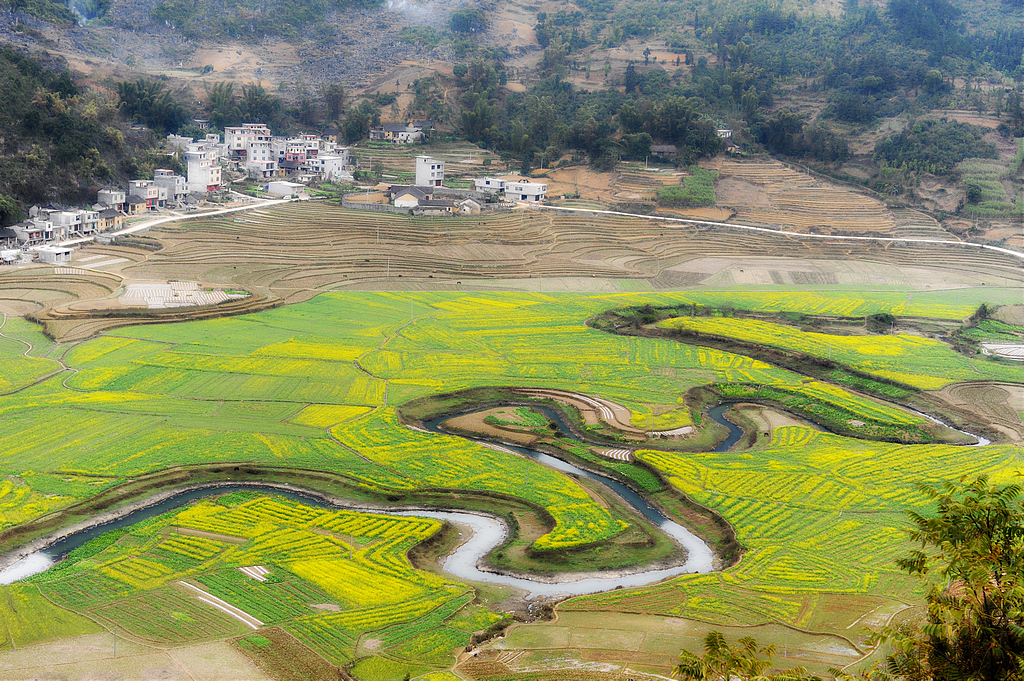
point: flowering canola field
(822, 518)
(333, 578)
(913, 360)
(316, 385)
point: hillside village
(280, 166)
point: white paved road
(781, 232)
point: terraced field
(267, 388)
(290, 253)
(795, 200)
(822, 518)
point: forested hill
(849, 86)
(59, 143)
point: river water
(485, 532)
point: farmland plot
(822, 518)
(266, 387)
(330, 577)
(318, 386)
(913, 360)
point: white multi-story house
(175, 186)
(73, 224)
(429, 172)
(35, 230)
(495, 185)
(329, 166)
(238, 139)
(147, 190)
(524, 190)
(204, 172)
(112, 197)
(214, 147)
(260, 161)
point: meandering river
(484, 532)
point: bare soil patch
(476, 422)
(285, 659)
(999, 405)
(1011, 314)
(798, 201)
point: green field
(265, 388)
(318, 385)
(284, 388)
(821, 516)
(24, 350)
(334, 580)
(913, 360)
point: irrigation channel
(486, 532)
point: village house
(154, 196)
(429, 172)
(468, 207)
(331, 166)
(435, 207)
(175, 187)
(34, 231)
(111, 197)
(407, 133)
(109, 218)
(203, 169)
(524, 190)
(282, 188)
(8, 237)
(194, 201)
(512, 190)
(409, 197)
(238, 139)
(135, 205)
(664, 150)
(495, 185)
(54, 255)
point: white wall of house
(429, 172)
(523, 190)
(490, 184)
(282, 188)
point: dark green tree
(630, 79)
(9, 211)
(221, 105)
(259, 106)
(971, 559)
(150, 102)
(359, 119)
(334, 100)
